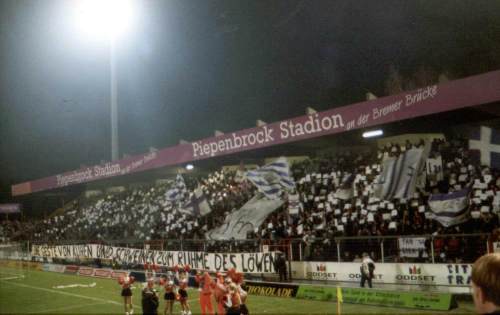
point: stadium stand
(333, 199)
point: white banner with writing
(242, 262)
(412, 246)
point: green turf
(34, 293)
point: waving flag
(399, 176)
(272, 178)
(450, 209)
(177, 193)
(198, 205)
(249, 217)
(488, 145)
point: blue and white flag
(197, 205)
(272, 178)
(177, 193)
(399, 176)
(487, 142)
(450, 209)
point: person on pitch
(126, 283)
(183, 294)
(205, 287)
(280, 267)
(237, 280)
(233, 300)
(485, 282)
(150, 299)
(169, 296)
(220, 292)
(367, 268)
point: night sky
(188, 67)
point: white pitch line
(12, 278)
(65, 293)
(65, 308)
(76, 295)
(72, 294)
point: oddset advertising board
(457, 276)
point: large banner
(243, 262)
(238, 223)
(457, 276)
(471, 91)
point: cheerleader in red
(183, 295)
(126, 283)
(220, 292)
(237, 278)
(205, 287)
(170, 293)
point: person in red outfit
(169, 297)
(205, 287)
(220, 292)
(237, 279)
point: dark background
(188, 67)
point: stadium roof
(472, 91)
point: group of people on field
(224, 291)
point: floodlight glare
(189, 167)
(373, 133)
(104, 17)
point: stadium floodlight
(373, 133)
(189, 167)
(109, 18)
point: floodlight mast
(109, 18)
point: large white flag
(239, 222)
(450, 209)
(272, 178)
(399, 176)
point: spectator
(150, 299)
(485, 282)
(281, 268)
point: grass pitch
(25, 291)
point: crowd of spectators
(141, 214)
(322, 208)
(334, 197)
